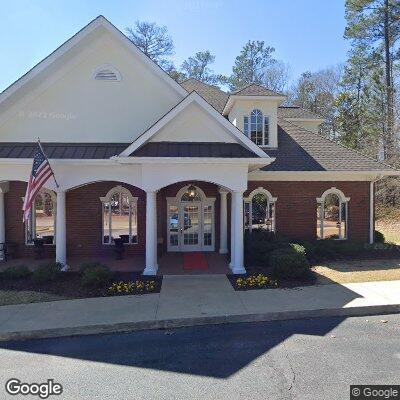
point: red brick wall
(296, 214)
(84, 220)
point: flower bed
(251, 282)
(135, 287)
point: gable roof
(295, 112)
(98, 23)
(255, 90)
(303, 150)
(194, 97)
(210, 93)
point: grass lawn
(358, 271)
(8, 297)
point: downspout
(372, 209)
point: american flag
(41, 172)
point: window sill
(44, 244)
(125, 244)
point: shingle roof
(255, 90)
(302, 150)
(211, 94)
(85, 151)
(193, 149)
(296, 112)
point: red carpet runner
(194, 261)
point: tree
(250, 64)
(198, 67)
(376, 23)
(317, 92)
(153, 40)
(277, 76)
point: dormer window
(256, 127)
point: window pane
(246, 125)
(266, 131)
(256, 127)
(319, 236)
(120, 217)
(134, 232)
(207, 225)
(331, 217)
(173, 225)
(246, 215)
(106, 223)
(44, 213)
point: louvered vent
(106, 73)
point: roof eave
(234, 97)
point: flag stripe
(40, 174)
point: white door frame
(205, 201)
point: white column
(223, 225)
(238, 265)
(233, 214)
(61, 230)
(151, 234)
(371, 213)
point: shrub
(16, 272)
(47, 272)
(379, 237)
(290, 263)
(95, 275)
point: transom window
(119, 216)
(259, 211)
(42, 222)
(332, 213)
(256, 127)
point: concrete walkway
(194, 300)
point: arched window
(332, 217)
(41, 222)
(256, 127)
(119, 216)
(259, 211)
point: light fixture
(191, 191)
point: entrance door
(190, 225)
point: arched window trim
(178, 198)
(132, 202)
(109, 67)
(265, 123)
(32, 216)
(342, 200)
(271, 200)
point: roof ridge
(203, 83)
(235, 92)
(337, 143)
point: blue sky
(307, 34)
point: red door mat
(194, 261)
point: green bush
(47, 272)
(290, 263)
(379, 237)
(95, 275)
(16, 272)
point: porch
(169, 263)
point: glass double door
(190, 227)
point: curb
(187, 322)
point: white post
(238, 265)
(223, 225)
(371, 213)
(233, 214)
(151, 234)
(61, 230)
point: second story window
(256, 127)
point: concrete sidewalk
(194, 300)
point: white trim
(194, 97)
(342, 200)
(98, 22)
(336, 191)
(233, 98)
(371, 213)
(133, 212)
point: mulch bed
(282, 284)
(69, 285)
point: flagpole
(54, 176)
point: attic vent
(106, 73)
